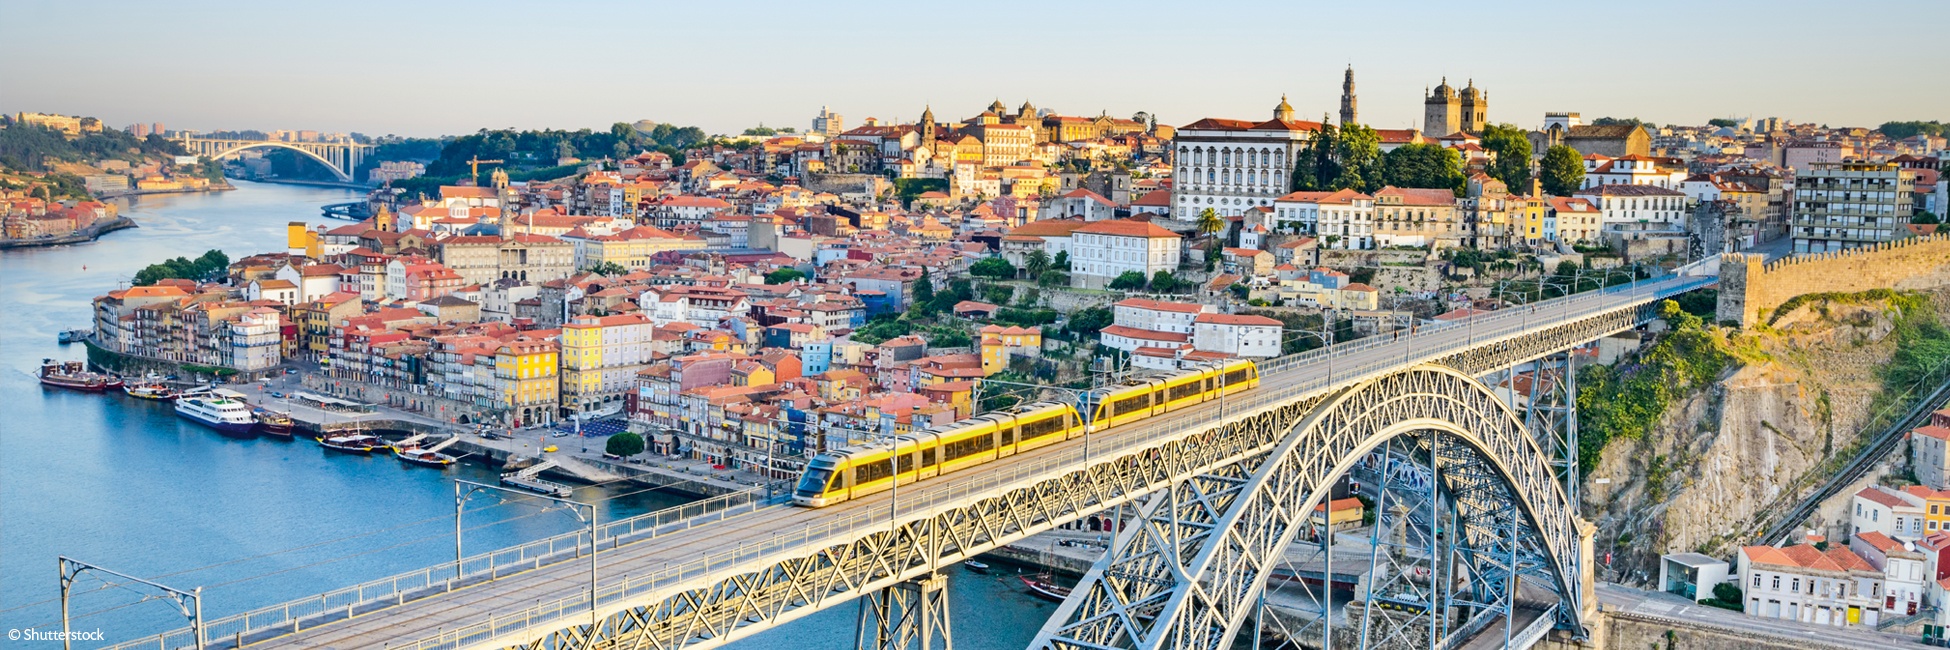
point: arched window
(1226, 176)
(1252, 178)
(1209, 177)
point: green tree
(1163, 282)
(923, 289)
(1209, 222)
(785, 275)
(1315, 167)
(1028, 298)
(1562, 170)
(1037, 262)
(1721, 122)
(1088, 321)
(607, 268)
(998, 294)
(1128, 280)
(1358, 152)
(624, 444)
(1423, 165)
(1511, 145)
(1925, 217)
(994, 268)
(1900, 130)
(1053, 278)
(209, 266)
(1062, 260)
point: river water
(126, 485)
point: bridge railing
(292, 616)
(960, 490)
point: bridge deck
(516, 597)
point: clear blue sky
(415, 68)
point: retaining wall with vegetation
(1750, 287)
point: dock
(528, 479)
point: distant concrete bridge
(342, 158)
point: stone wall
(1750, 286)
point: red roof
(1879, 496)
(1160, 305)
(1149, 335)
(1236, 319)
(1127, 228)
(1153, 199)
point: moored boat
(1039, 586)
(71, 336)
(273, 423)
(419, 456)
(977, 567)
(154, 391)
(351, 442)
(227, 416)
(73, 375)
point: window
(1777, 583)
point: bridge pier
(906, 616)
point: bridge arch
(1188, 572)
(342, 175)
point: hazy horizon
(446, 70)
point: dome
(1443, 91)
(997, 107)
(1471, 92)
(1027, 109)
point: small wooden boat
(1041, 587)
(274, 423)
(352, 443)
(977, 567)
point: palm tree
(1037, 262)
(1209, 222)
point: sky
(430, 68)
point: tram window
(1236, 377)
(1009, 435)
(1184, 390)
(907, 462)
(1130, 404)
(927, 457)
(1043, 427)
(870, 472)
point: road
(517, 597)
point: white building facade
(1232, 165)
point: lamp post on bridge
(460, 500)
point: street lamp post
(460, 498)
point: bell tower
(1347, 98)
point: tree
(1925, 217)
(1128, 280)
(607, 268)
(1729, 592)
(624, 444)
(998, 294)
(1901, 130)
(1562, 170)
(1037, 262)
(1053, 278)
(1062, 261)
(1358, 152)
(1608, 121)
(208, 266)
(1163, 282)
(1209, 222)
(1423, 165)
(1029, 298)
(994, 268)
(1721, 122)
(789, 274)
(923, 289)
(1512, 148)
(1088, 321)
(1315, 166)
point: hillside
(1744, 423)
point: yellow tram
(855, 472)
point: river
(128, 486)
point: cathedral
(1447, 111)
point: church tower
(1347, 98)
(504, 202)
(927, 127)
(1283, 112)
(1475, 105)
(1442, 111)
(382, 219)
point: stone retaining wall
(1750, 286)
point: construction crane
(474, 165)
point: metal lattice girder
(740, 600)
(1187, 576)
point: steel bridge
(1220, 492)
(343, 158)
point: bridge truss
(1220, 495)
(343, 158)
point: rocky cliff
(1786, 410)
